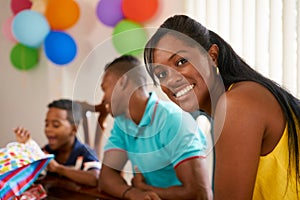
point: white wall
(25, 95)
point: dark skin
(100, 108)
(244, 121)
(114, 184)
(61, 136)
(103, 114)
(191, 173)
(112, 181)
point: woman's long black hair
(233, 69)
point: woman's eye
(181, 61)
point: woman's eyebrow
(176, 53)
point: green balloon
(23, 57)
(129, 38)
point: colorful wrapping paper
(20, 165)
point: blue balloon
(60, 47)
(110, 12)
(30, 28)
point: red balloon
(138, 10)
(19, 5)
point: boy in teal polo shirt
(160, 140)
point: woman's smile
(184, 91)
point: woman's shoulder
(250, 95)
(248, 88)
(249, 104)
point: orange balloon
(139, 10)
(62, 14)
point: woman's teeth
(184, 91)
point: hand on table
(148, 195)
(140, 194)
(138, 180)
(152, 196)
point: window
(265, 33)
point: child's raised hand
(22, 135)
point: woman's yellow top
(272, 179)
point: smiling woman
(171, 61)
(256, 122)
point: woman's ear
(214, 53)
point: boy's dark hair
(124, 58)
(74, 110)
(129, 65)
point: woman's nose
(173, 78)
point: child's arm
(89, 177)
(22, 135)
